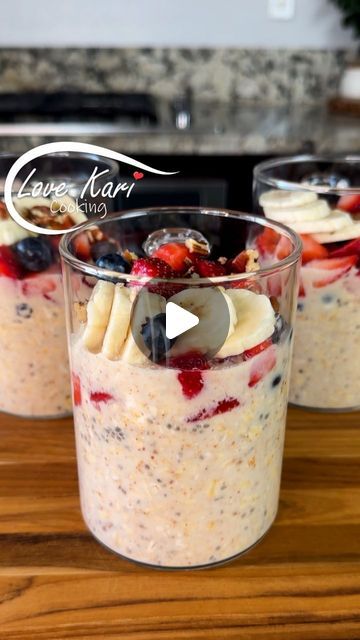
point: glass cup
(34, 372)
(180, 440)
(319, 198)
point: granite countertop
(223, 129)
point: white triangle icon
(178, 320)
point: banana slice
(98, 314)
(333, 222)
(24, 204)
(346, 233)
(255, 322)
(204, 303)
(146, 306)
(11, 232)
(119, 323)
(314, 210)
(280, 199)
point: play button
(170, 320)
(178, 320)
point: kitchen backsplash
(269, 76)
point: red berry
(223, 406)
(38, 284)
(349, 249)
(9, 266)
(250, 353)
(82, 247)
(335, 268)
(153, 268)
(350, 203)
(76, 385)
(175, 254)
(238, 264)
(191, 383)
(267, 242)
(100, 396)
(312, 249)
(190, 360)
(208, 268)
(262, 365)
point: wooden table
(301, 582)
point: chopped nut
(252, 262)
(222, 260)
(80, 311)
(275, 304)
(3, 211)
(197, 247)
(129, 256)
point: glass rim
(114, 167)
(280, 183)
(99, 272)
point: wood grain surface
(301, 582)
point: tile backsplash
(254, 75)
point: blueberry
(300, 306)
(101, 248)
(35, 254)
(113, 262)
(276, 381)
(24, 310)
(280, 326)
(153, 332)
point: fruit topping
(39, 285)
(174, 254)
(113, 262)
(350, 203)
(153, 268)
(262, 365)
(333, 269)
(250, 353)
(99, 249)
(267, 242)
(82, 246)
(153, 332)
(189, 361)
(223, 406)
(245, 262)
(35, 254)
(208, 268)
(312, 249)
(76, 387)
(9, 264)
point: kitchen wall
(174, 23)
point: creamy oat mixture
(163, 481)
(34, 374)
(326, 362)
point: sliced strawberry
(267, 242)
(262, 365)
(153, 268)
(9, 265)
(100, 396)
(175, 254)
(349, 249)
(283, 248)
(250, 353)
(238, 264)
(39, 285)
(333, 269)
(82, 247)
(225, 405)
(76, 385)
(189, 361)
(350, 203)
(312, 250)
(191, 383)
(208, 268)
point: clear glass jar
(180, 450)
(319, 197)
(34, 372)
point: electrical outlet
(281, 9)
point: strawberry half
(333, 269)
(9, 265)
(250, 353)
(349, 249)
(153, 268)
(262, 365)
(312, 250)
(175, 254)
(350, 203)
(267, 242)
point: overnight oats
(320, 199)
(180, 435)
(34, 373)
